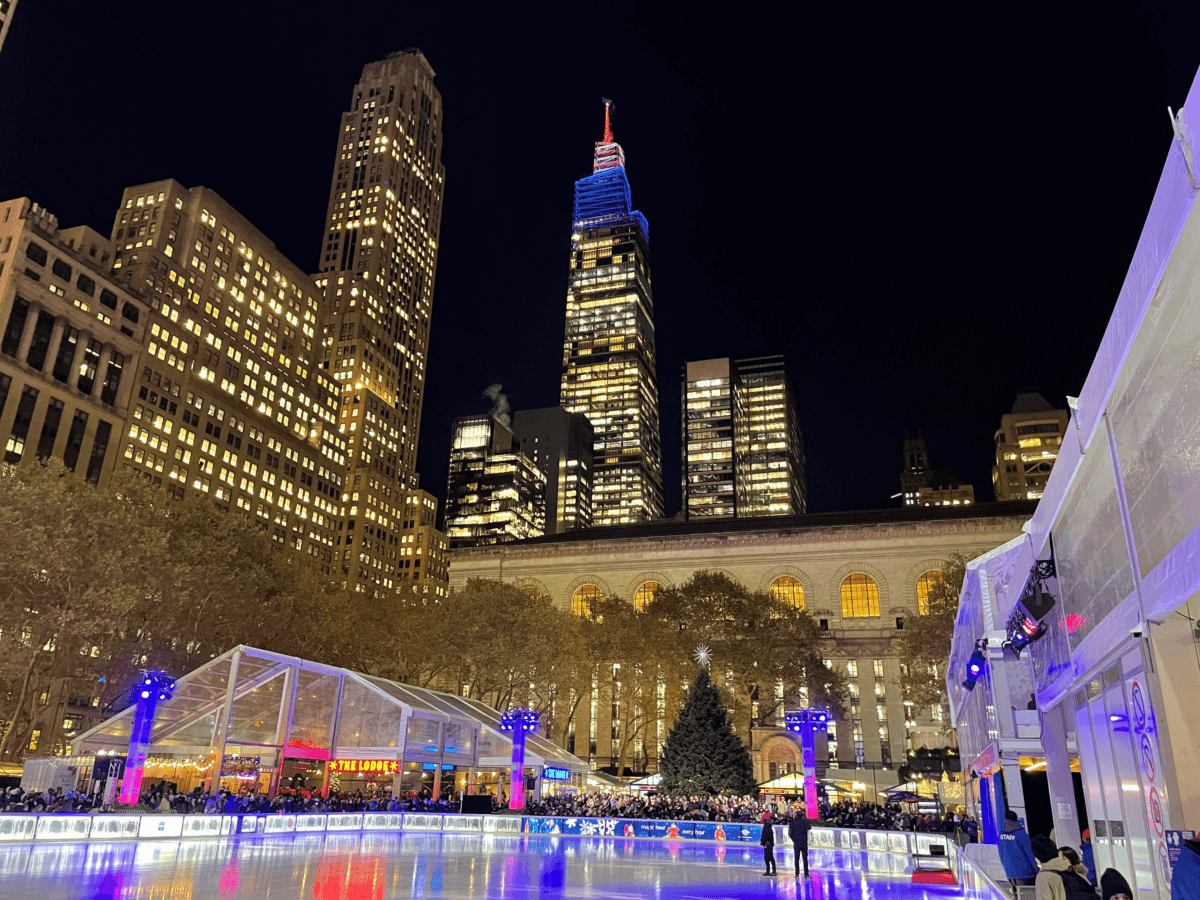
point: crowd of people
(880, 817)
(893, 817)
(1064, 873)
(162, 799)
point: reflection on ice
(379, 865)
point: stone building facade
(860, 574)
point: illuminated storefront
(1100, 596)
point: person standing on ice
(768, 844)
(798, 830)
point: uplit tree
(758, 644)
(925, 642)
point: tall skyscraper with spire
(378, 261)
(609, 358)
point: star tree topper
(703, 655)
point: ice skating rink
(377, 866)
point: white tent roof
(266, 701)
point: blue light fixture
(975, 664)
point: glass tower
(609, 368)
(743, 450)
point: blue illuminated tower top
(604, 195)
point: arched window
(583, 602)
(860, 596)
(645, 595)
(533, 590)
(924, 583)
(788, 590)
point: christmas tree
(702, 755)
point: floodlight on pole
(519, 722)
(153, 688)
(805, 723)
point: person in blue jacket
(1185, 879)
(1016, 854)
(1088, 856)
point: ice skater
(798, 830)
(768, 844)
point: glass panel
(255, 718)
(1093, 562)
(367, 719)
(460, 741)
(312, 718)
(424, 735)
(1155, 411)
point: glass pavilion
(276, 722)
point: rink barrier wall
(140, 826)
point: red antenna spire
(608, 135)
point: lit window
(860, 596)
(584, 600)
(645, 595)
(788, 590)
(924, 583)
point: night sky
(926, 211)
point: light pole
(804, 723)
(520, 722)
(152, 689)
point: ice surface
(377, 866)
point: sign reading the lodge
(365, 766)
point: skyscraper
(560, 444)
(1027, 445)
(609, 358)
(494, 492)
(378, 262)
(70, 344)
(743, 451)
(776, 479)
(230, 402)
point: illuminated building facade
(494, 493)
(1027, 445)
(609, 355)
(423, 545)
(713, 448)
(743, 450)
(377, 266)
(775, 480)
(862, 575)
(70, 345)
(560, 444)
(230, 400)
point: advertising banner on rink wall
(733, 832)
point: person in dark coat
(768, 844)
(798, 830)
